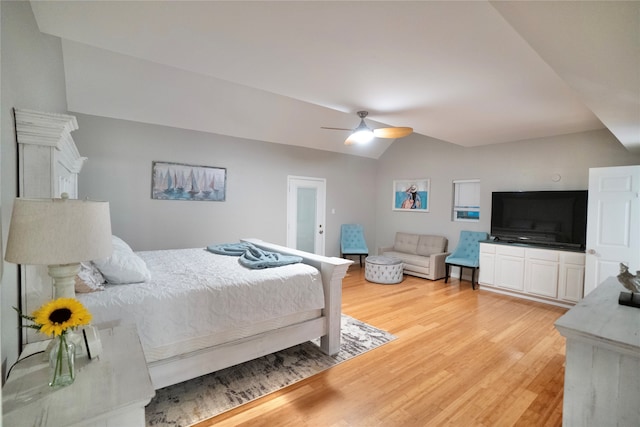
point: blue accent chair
(352, 241)
(466, 254)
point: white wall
(32, 77)
(523, 165)
(121, 152)
(120, 156)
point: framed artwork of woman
(411, 195)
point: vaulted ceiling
(468, 73)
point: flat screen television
(548, 218)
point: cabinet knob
(591, 252)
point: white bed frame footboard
(327, 327)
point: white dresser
(602, 372)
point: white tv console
(547, 275)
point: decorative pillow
(89, 278)
(406, 242)
(123, 266)
(83, 287)
(428, 245)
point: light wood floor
(461, 358)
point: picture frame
(411, 195)
(92, 342)
(180, 181)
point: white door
(306, 214)
(613, 223)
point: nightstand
(111, 391)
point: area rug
(192, 401)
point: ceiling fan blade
(350, 140)
(323, 127)
(392, 132)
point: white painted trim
(529, 297)
(52, 130)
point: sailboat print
(207, 187)
(195, 189)
(168, 183)
(178, 181)
(158, 181)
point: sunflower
(55, 317)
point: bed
(201, 312)
(181, 351)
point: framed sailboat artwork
(179, 181)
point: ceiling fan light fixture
(363, 133)
(362, 136)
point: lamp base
(64, 279)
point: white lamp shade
(58, 231)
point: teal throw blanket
(252, 256)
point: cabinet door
(487, 269)
(541, 272)
(571, 281)
(542, 278)
(510, 272)
(487, 264)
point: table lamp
(59, 233)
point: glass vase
(62, 362)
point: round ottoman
(383, 269)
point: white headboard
(48, 165)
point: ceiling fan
(364, 133)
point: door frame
(292, 213)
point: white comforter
(194, 295)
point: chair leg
(446, 272)
(473, 278)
